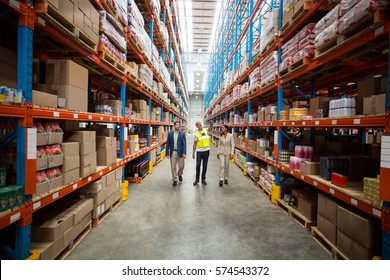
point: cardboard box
(42, 188)
(56, 182)
(44, 99)
(87, 170)
(81, 209)
(99, 210)
(327, 228)
(310, 167)
(110, 178)
(75, 98)
(71, 176)
(54, 3)
(54, 161)
(45, 249)
(41, 163)
(327, 208)
(51, 229)
(132, 67)
(45, 88)
(88, 159)
(140, 104)
(372, 86)
(361, 229)
(105, 142)
(352, 249)
(106, 156)
(375, 104)
(65, 7)
(87, 148)
(319, 103)
(65, 72)
(71, 163)
(98, 197)
(93, 187)
(118, 173)
(85, 7)
(70, 149)
(82, 136)
(308, 208)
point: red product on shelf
(339, 180)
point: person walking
(176, 149)
(202, 148)
(225, 153)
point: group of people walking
(176, 150)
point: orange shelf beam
(12, 111)
(10, 217)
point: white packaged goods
(327, 35)
(268, 69)
(255, 79)
(346, 5)
(111, 49)
(121, 7)
(270, 28)
(113, 31)
(135, 16)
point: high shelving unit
(326, 74)
(34, 24)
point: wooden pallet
(268, 46)
(325, 244)
(324, 48)
(300, 12)
(48, 12)
(267, 83)
(74, 243)
(295, 214)
(296, 65)
(98, 221)
(254, 180)
(110, 60)
(137, 180)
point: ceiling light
(198, 63)
(350, 84)
(377, 76)
(199, 50)
(336, 88)
(198, 74)
(197, 81)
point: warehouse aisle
(203, 222)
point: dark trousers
(202, 156)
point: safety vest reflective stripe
(203, 141)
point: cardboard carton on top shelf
(85, 7)
(327, 228)
(106, 156)
(310, 167)
(103, 141)
(140, 104)
(88, 159)
(78, 17)
(87, 170)
(65, 7)
(66, 72)
(362, 229)
(44, 99)
(75, 98)
(45, 88)
(87, 148)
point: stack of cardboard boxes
(105, 192)
(106, 150)
(71, 167)
(306, 202)
(80, 13)
(52, 231)
(141, 108)
(87, 140)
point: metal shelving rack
(224, 58)
(30, 22)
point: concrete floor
(163, 222)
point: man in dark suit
(176, 149)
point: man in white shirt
(202, 149)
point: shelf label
(36, 205)
(117, 119)
(293, 123)
(101, 118)
(315, 183)
(14, 3)
(379, 31)
(75, 116)
(282, 167)
(90, 117)
(110, 119)
(31, 143)
(110, 168)
(334, 121)
(317, 122)
(284, 123)
(14, 217)
(376, 212)
(303, 123)
(55, 195)
(331, 191)
(56, 114)
(75, 186)
(42, 21)
(89, 179)
(302, 177)
(101, 173)
(292, 172)
(276, 137)
(356, 121)
(354, 201)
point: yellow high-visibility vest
(203, 139)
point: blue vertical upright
(25, 55)
(122, 128)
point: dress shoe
(220, 183)
(174, 183)
(204, 182)
(196, 182)
(181, 178)
(226, 182)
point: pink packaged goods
(53, 173)
(41, 177)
